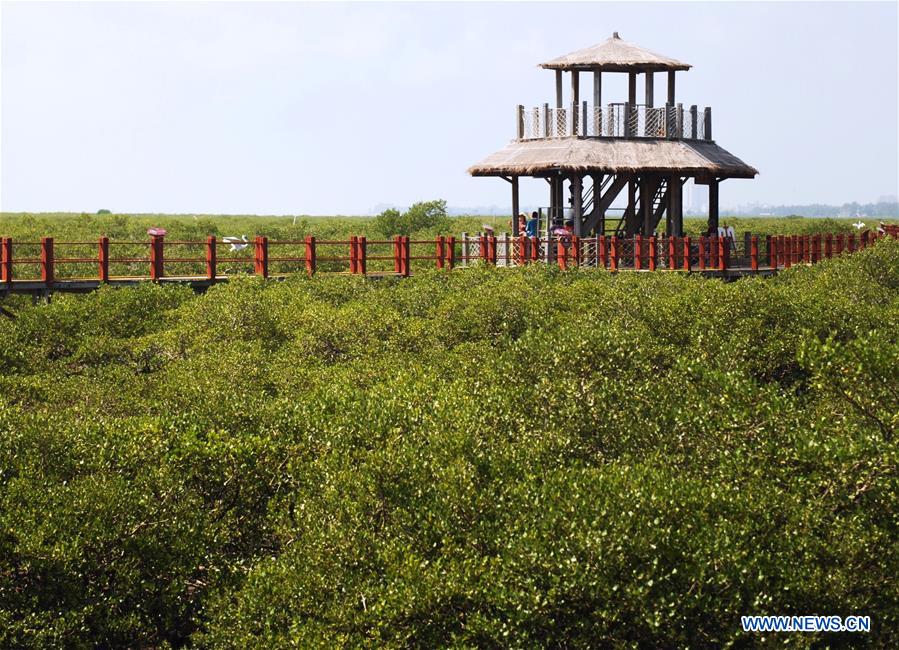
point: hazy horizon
(293, 108)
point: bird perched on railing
(237, 244)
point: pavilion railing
(617, 120)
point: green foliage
(103, 211)
(424, 216)
(488, 457)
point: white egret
(859, 225)
(236, 244)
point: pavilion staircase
(658, 200)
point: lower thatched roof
(533, 157)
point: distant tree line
(879, 209)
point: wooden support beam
(713, 206)
(649, 94)
(103, 259)
(597, 89)
(310, 255)
(558, 89)
(211, 258)
(671, 87)
(602, 203)
(631, 88)
(47, 260)
(515, 206)
(577, 194)
(675, 207)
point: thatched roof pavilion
(599, 150)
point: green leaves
(487, 457)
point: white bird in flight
(236, 244)
(859, 225)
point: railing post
(693, 122)
(652, 253)
(627, 120)
(103, 259)
(211, 258)
(482, 247)
(519, 120)
(788, 251)
(546, 129)
(353, 254)
(584, 118)
(806, 249)
(613, 253)
(688, 262)
(464, 249)
(6, 260)
(754, 253)
(679, 122)
(772, 251)
(841, 238)
(507, 251)
(362, 255)
(157, 262)
(723, 249)
(260, 256)
(702, 251)
(638, 252)
(491, 249)
(601, 252)
(707, 117)
(440, 244)
(451, 252)
(398, 254)
(672, 253)
(407, 267)
(310, 255)
(47, 260)
(828, 245)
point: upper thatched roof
(687, 157)
(615, 55)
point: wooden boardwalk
(42, 268)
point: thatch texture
(687, 157)
(615, 55)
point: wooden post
(671, 87)
(688, 262)
(693, 122)
(772, 251)
(702, 251)
(103, 259)
(601, 253)
(652, 253)
(407, 266)
(840, 242)
(6, 260)
(613, 254)
(672, 253)
(491, 249)
(806, 249)
(451, 257)
(441, 242)
(723, 249)
(707, 117)
(519, 121)
(260, 256)
(638, 252)
(575, 101)
(515, 206)
(310, 255)
(464, 249)
(558, 89)
(679, 122)
(507, 251)
(211, 258)
(788, 252)
(850, 243)
(713, 206)
(352, 254)
(47, 260)
(577, 194)
(361, 255)
(597, 102)
(398, 255)
(754, 253)
(547, 131)
(157, 261)
(828, 245)
(649, 98)
(646, 204)
(632, 88)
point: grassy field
(490, 458)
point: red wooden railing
(357, 254)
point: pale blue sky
(287, 108)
